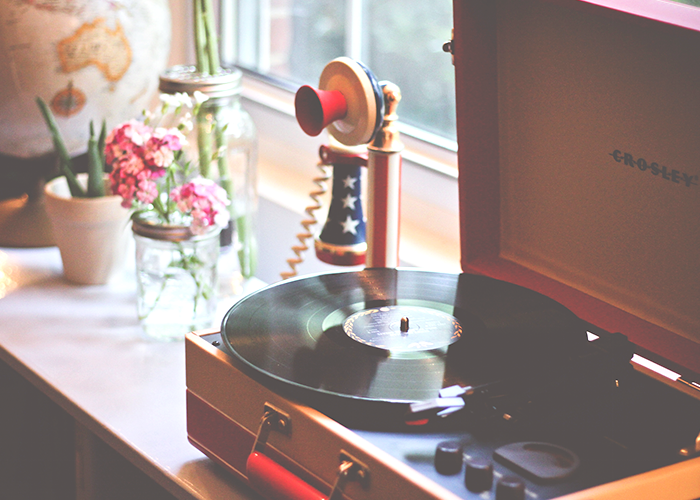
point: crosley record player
(551, 374)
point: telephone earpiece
(348, 102)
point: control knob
(478, 475)
(448, 457)
(510, 488)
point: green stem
(95, 184)
(169, 183)
(65, 163)
(225, 180)
(162, 211)
(247, 255)
(155, 302)
(200, 38)
(221, 144)
(204, 143)
(194, 266)
(211, 36)
(101, 143)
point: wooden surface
(84, 392)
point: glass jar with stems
(223, 144)
(176, 276)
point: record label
(403, 328)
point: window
(283, 44)
(290, 41)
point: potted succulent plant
(89, 223)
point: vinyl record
(358, 345)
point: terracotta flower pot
(91, 233)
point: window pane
(402, 42)
(404, 45)
(318, 36)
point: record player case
(578, 143)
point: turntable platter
(391, 337)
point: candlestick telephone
(359, 114)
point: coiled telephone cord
(302, 247)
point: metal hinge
(273, 419)
(350, 469)
(449, 46)
(691, 451)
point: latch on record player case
(350, 468)
(273, 419)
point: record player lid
(577, 128)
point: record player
(563, 362)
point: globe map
(89, 59)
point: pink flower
(205, 201)
(129, 179)
(147, 191)
(138, 155)
(125, 139)
(160, 146)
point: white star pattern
(349, 201)
(349, 225)
(349, 182)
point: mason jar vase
(176, 276)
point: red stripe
(275, 482)
(379, 215)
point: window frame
(287, 162)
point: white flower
(186, 123)
(170, 99)
(185, 99)
(199, 98)
(176, 100)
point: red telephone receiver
(350, 103)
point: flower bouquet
(150, 173)
(177, 218)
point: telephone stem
(384, 186)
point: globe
(88, 59)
